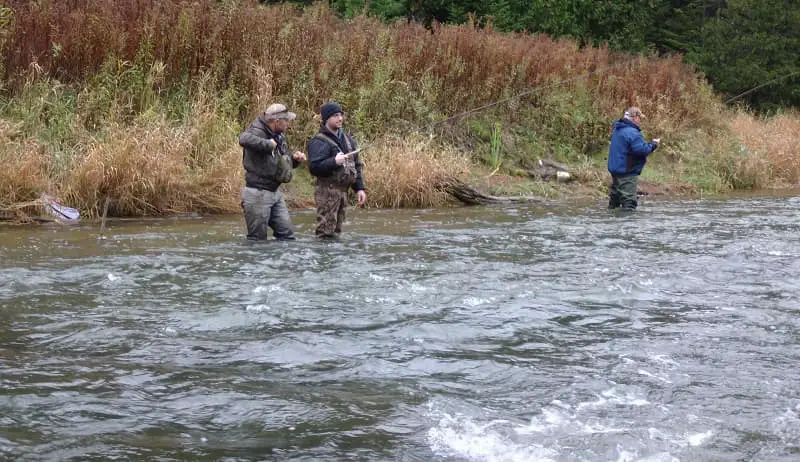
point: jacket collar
(324, 130)
(266, 126)
(338, 138)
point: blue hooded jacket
(628, 151)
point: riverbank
(143, 173)
(108, 104)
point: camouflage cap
(633, 111)
(278, 111)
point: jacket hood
(622, 123)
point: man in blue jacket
(627, 155)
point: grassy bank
(140, 102)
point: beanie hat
(328, 110)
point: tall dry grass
(25, 173)
(151, 166)
(771, 147)
(408, 172)
(24, 176)
(144, 171)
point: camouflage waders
(330, 195)
(622, 192)
(331, 205)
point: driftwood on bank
(546, 170)
(550, 170)
(471, 196)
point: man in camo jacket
(268, 164)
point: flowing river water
(515, 333)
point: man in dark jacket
(627, 155)
(267, 164)
(333, 159)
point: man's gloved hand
(657, 142)
(272, 144)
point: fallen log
(471, 196)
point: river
(509, 333)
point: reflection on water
(514, 333)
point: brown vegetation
(24, 175)
(143, 171)
(407, 172)
(310, 55)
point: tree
(750, 43)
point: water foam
(257, 308)
(462, 436)
(263, 289)
(476, 301)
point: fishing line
(103, 219)
(530, 91)
(539, 88)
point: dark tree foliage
(750, 43)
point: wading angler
(268, 164)
(333, 159)
(627, 155)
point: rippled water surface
(520, 333)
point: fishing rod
(688, 122)
(760, 86)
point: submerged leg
(327, 198)
(627, 192)
(613, 194)
(256, 213)
(280, 222)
